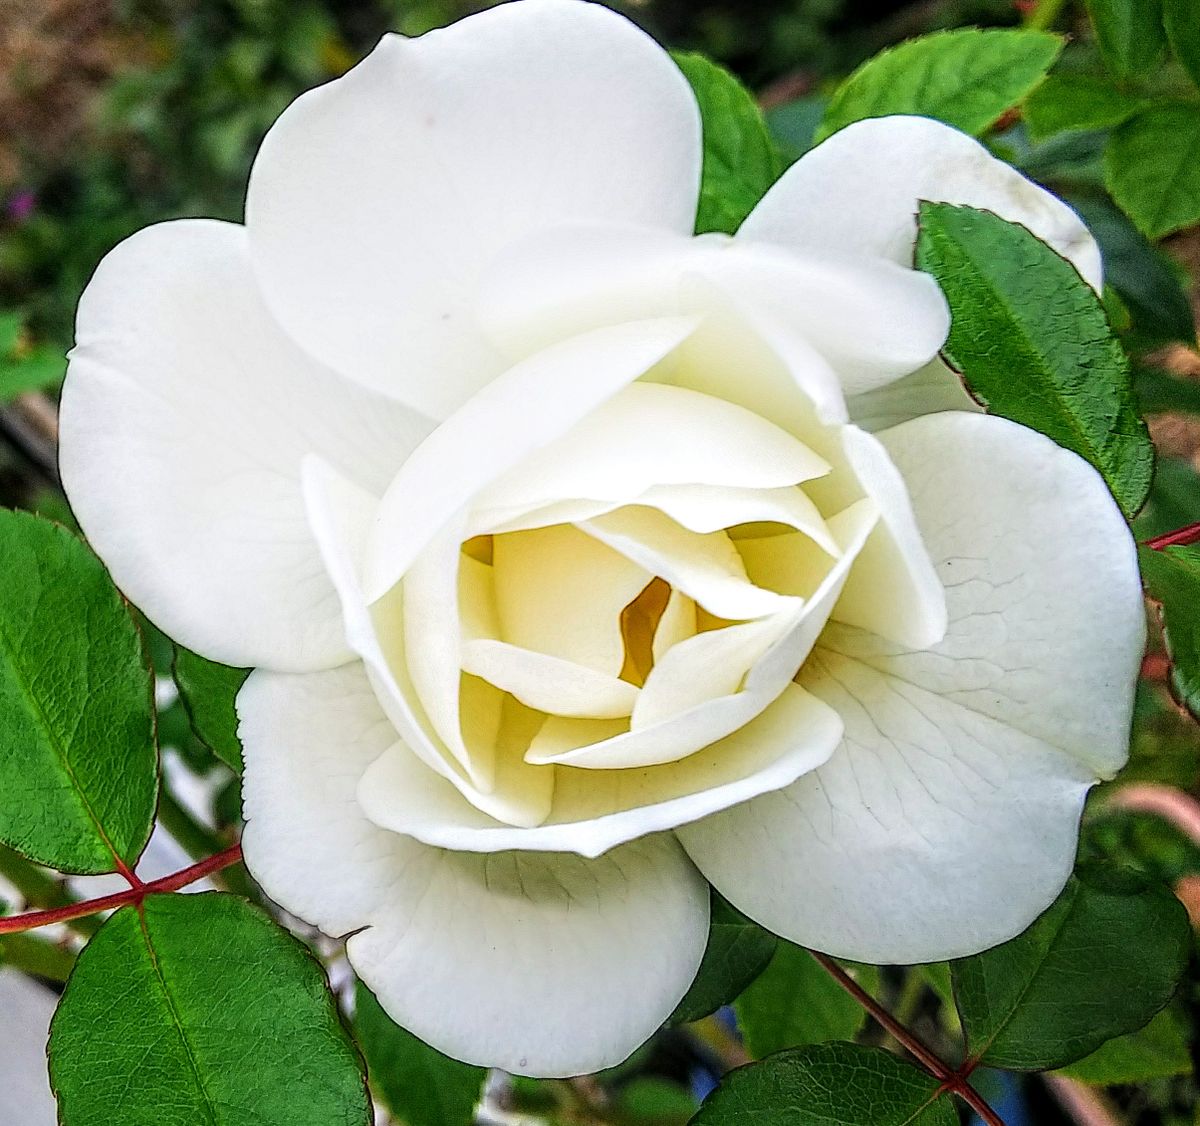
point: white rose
(572, 572)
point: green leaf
(1172, 578)
(1033, 343)
(737, 952)
(1152, 168)
(795, 1002)
(197, 1009)
(208, 691)
(1099, 963)
(418, 1083)
(1130, 34)
(1158, 1051)
(1182, 19)
(1077, 101)
(740, 159)
(78, 764)
(966, 78)
(1147, 280)
(827, 1085)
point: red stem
(952, 1079)
(1178, 538)
(136, 892)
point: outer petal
(490, 958)
(377, 200)
(858, 193)
(185, 416)
(597, 810)
(936, 387)
(947, 820)
(871, 319)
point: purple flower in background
(21, 206)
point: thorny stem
(1178, 538)
(952, 1079)
(136, 893)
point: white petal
(488, 958)
(341, 515)
(377, 200)
(934, 388)
(704, 667)
(709, 508)
(678, 621)
(893, 588)
(567, 279)
(872, 320)
(858, 192)
(650, 435)
(948, 818)
(595, 810)
(432, 646)
(549, 684)
(185, 416)
(574, 279)
(561, 592)
(748, 356)
(707, 568)
(588, 744)
(531, 405)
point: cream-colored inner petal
(583, 618)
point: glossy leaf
(199, 1009)
(1077, 101)
(1182, 20)
(827, 1085)
(1099, 963)
(1130, 34)
(208, 691)
(418, 1083)
(740, 159)
(78, 764)
(1173, 580)
(737, 952)
(1158, 1051)
(1033, 343)
(795, 1002)
(966, 78)
(1152, 170)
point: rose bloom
(584, 562)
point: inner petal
(649, 435)
(546, 683)
(706, 567)
(561, 592)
